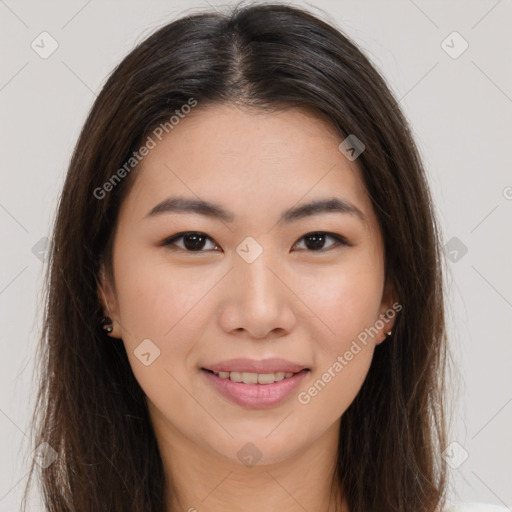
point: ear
(388, 312)
(108, 301)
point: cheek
(160, 303)
(156, 298)
(345, 299)
(335, 385)
(347, 302)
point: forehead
(249, 160)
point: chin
(259, 447)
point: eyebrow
(214, 211)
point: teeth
(235, 376)
(269, 378)
(254, 378)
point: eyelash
(168, 242)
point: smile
(255, 390)
(254, 378)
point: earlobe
(388, 312)
(108, 301)
(106, 324)
(387, 329)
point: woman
(245, 303)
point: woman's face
(248, 293)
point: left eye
(194, 241)
(318, 238)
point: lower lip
(256, 396)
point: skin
(292, 302)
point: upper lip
(271, 365)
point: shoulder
(475, 507)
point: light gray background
(460, 110)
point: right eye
(192, 241)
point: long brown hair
(90, 409)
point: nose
(260, 303)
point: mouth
(254, 378)
(253, 390)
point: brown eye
(315, 241)
(193, 241)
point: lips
(255, 396)
(255, 384)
